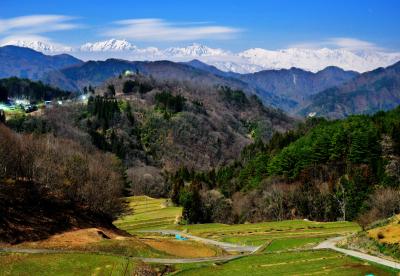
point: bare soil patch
(74, 238)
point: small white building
(128, 73)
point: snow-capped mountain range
(40, 46)
(248, 61)
(108, 45)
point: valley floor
(270, 248)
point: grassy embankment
(381, 239)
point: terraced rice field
(64, 264)
(287, 245)
(287, 248)
(315, 262)
(148, 213)
(281, 235)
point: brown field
(74, 238)
(94, 240)
(183, 249)
(386, 234)
(107, 241)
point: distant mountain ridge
(293, 84)
(27, 63)
(293, 90)
(247, 61)
(40, 46)
(368, 93)
(69, 73)
(96, 72)
(297, 84)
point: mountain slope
(96, 72)
(26, 89)
(292, 84)
(27, 63)
(368, 93)
(297, 84)
(69, 73)
(209, 128)
(323, 170)
(210, 68)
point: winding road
(331, 244)
(230, 247)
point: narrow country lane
(331, 244)
(224, 245)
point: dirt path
(146, 260)
(224, 245)
(188, 261)
(30, 250)
(331, 244)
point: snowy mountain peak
(108, 45)
(40, 46)
(195, 50)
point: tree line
(322, 170)
(31, 90)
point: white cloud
(12, 38)
(27, 31)
(153, 29)
(353, 43)
(36, 24)
(347, 43)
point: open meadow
(64, 264)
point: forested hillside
(221, 149)
(323, 170)
(50, 184)
(31, 90)
(156, 126)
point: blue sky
(234, 25)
